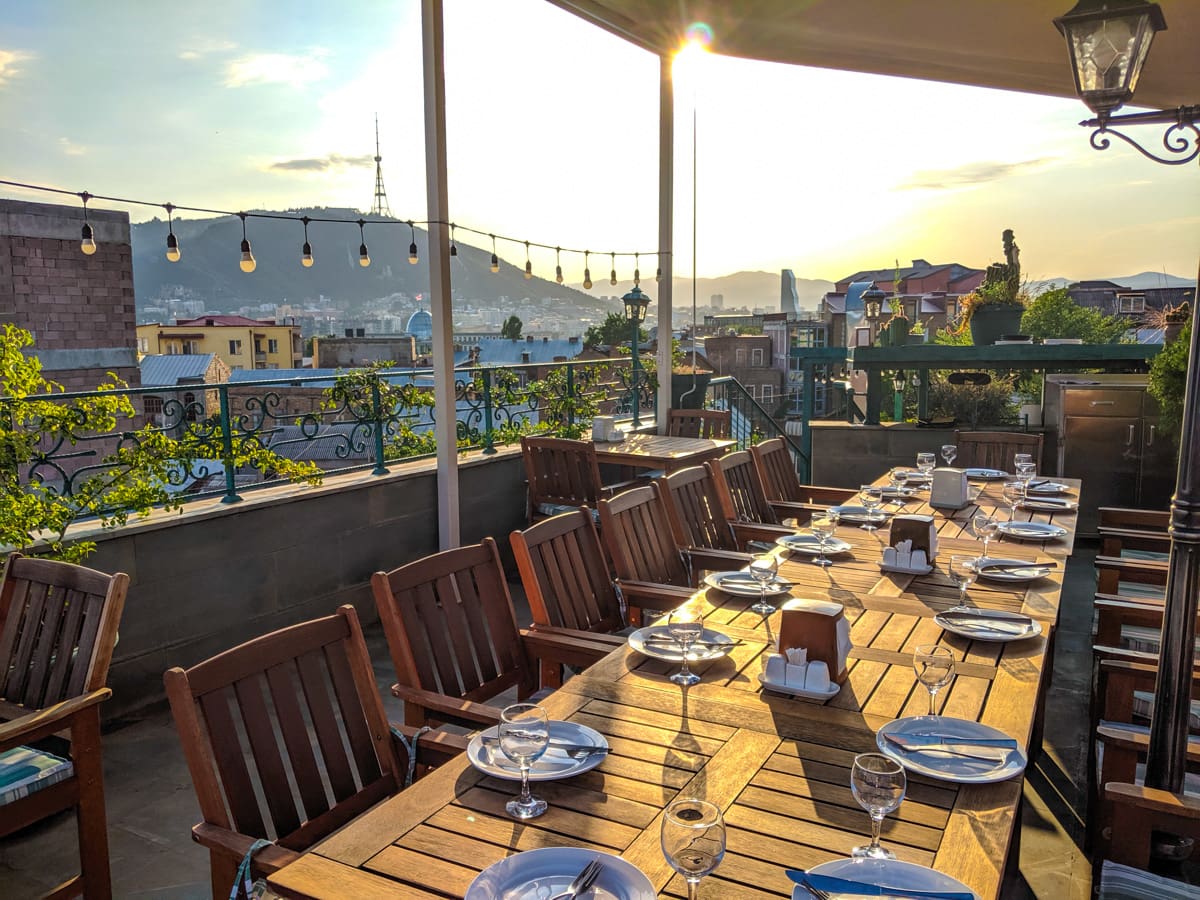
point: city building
(359, 350)
(1114, 299)
(919, 278)
(241, 343)
(748, 358)
(182, 377)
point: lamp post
(636, 304)
(898, 383)
(872, 299)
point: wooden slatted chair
(744, 496)
(312, 686)
(1136, 533)
(995, 449)
(781, 482)
(700, 515)
(454, 640)
(58, 626)
(699, 423)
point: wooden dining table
(779, 767)
(661, 451)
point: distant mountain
(1137, 282)
(210, 254)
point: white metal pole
(666, 206)
(438, 204)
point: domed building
(420, 326)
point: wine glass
(878, 784)
(934, 666)
(823, 526)
(985, 526)
(763, 569)
(949, 452)
(524, 735)
(1026, 471)
(1019, 458)
(693, 839)
(685, 625)
(871, 497)
(926, 462)
(1014, 493)
(963, 571)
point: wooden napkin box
(949, 489)
(921, 530)
(819, 626)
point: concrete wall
(215, 575)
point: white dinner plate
(890, 873)
(860, 514)
(988, 567)
(809, 546)
(1049, 487)
(1007, 627)
(547, 871)
(947, 765)
(485, 754)
(985, 474)
(743, 585)
(1031, 531)
(665, 650)
(782, 687)
(915, 477)
(1059, 506)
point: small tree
(613, 330)
(511, 328)
(1054, 314)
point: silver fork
(582, 882)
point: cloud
(71, 149)
(277, 68)
(206, 48)
(323, 163)
(968, 175)
(10, 61)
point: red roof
(225, 320)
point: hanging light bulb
(637, 271)
(306, 257)
(87, 241)
(364, 258)
(495, 258)
(247, 263)
(173, 253)
(587, 272)
(612, 276)
(558, 265)
(528, 264)
(412, 248)
(453, 246)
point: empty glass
(934, 666)
(823, 526)
(1014, 493)
(963, 571)
(985, 526)
(763, 570)
(949, 453)
(871, 497)
(685, 625)
(1026, 472)
(524, 735)
(926, 462)
(878, 784)
(1019, 458)
(693, 839)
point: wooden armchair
(995, 449)
(454, 640)
(1141, 533)
(563, 475)
(744, 496)
(58, 626)
(701, 517)
(781, 483)
(699, 423)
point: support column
(438, 206)
(666, 209)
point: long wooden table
(779, 767)
(661, 451)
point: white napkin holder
(950, 489)
(603, 427)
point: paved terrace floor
(152, 807)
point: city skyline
(552, 137)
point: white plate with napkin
(951, 749)
(871, 874)
(1031, 531)
(567, 754)
(810, 546)
(743, 585)
(549, 871)
(993, 625)
(656, 641)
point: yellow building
(239, 342)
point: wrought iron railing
(750, 421)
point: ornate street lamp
(636, 304)
(872, 299)
(1108, 42)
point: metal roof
(505, 350)
(168, 369)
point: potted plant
(918, 334)
(995, 307)
(689, 382)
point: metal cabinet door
(1159, 469)
(1104, 451)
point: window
(189, 406)
(272, 365)
(768, 393)
(1131, 304)
(192, 347)
(739, 357)
(173, 349)
(272, 346)
(756, 356)
(751, 389)
(144, 345)
(153, 407)
(235, 348)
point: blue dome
(420, 325)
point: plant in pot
(689, 381)
(994, 309)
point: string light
(306, 257)
(173, 253)
(612, 276)
(247, 263)
(587, 273)
(495, 258)
(558, 265)
(412, 248)
(528, 264)
(364, 258)
(637, 271)
(87, 243)
(453, 246)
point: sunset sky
(553, 137)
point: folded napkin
(842, 887)
(555, 759)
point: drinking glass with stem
(823, 526)
(963, 570)
(878, 784)
(897, 480)
(1019, 458)
(1014, 493)
(934, 666)
(763, 570)
(984, 524)
(926, 462)
(693, 839)
(1026, 472)
(524, 735)
(871, 497)
(949, 453)
(685, 625)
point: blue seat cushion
(24, 770)
(554, 509)
(1119, 882)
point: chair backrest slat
(777, 470)
(697, 514)
(699, 423)
(282, 682)
(995, 449)
(64, 663)
(348, 701)
(313, 678)
(231, 764)
(737, 477)
(561, 472)
(635, 528)
(256, 720)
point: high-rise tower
(380, 206)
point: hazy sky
(553, 137)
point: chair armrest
(434, 748)
(1122, 517)
(663, 595)
(44, 722)
(706, 559)
(1129, 739)
(569, 647)
(1162, 802)
(467, 713)
(235, 846)
(790, 509)
(745, 532)
(612, 641)
(1149, 568)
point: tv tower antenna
(380, 206)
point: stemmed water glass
(693, 839)
(1019, 458)
(685, 625)
(878, 784)
(871, 497)
(763, 570)
(963, 570)
(897, 480)
(823, 526)
(524, 735)
(1026, 471)
(1014, 493)
(949, 453)
(926, 462)
(985, 526)
(934, 666)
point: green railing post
(231, 494)
(377, 411)
(489, 433)
(808, 408)
(874, 395)
(923, 394)
(570, 395)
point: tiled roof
(225, 320)
(170, 369)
